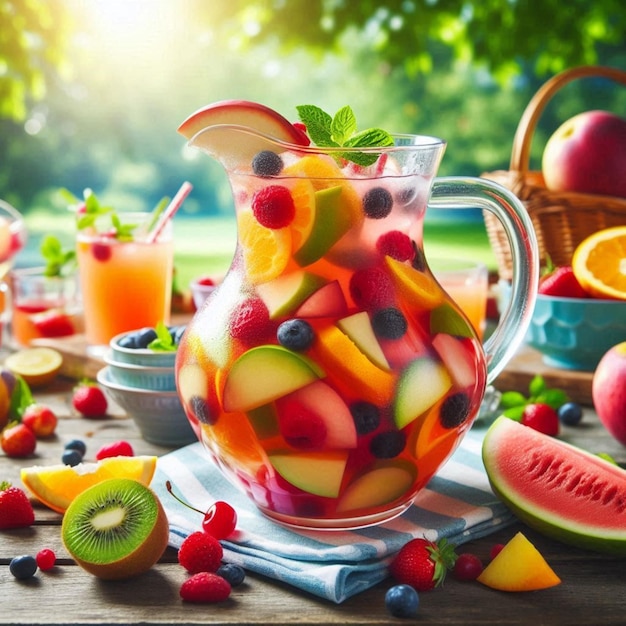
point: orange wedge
(57, 485)
(599, 263)
(266, 251)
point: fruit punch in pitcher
(329, 375)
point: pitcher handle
(454, 192)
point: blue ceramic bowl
(159, 415)
(574, 333)
(143, 356)
(141, 376)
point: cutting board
(527, 363)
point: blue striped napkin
(457, 503)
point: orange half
(599, 263)
(57, 485)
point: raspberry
(46, 559)
(118, 448)
(205, 587)
(467, 567)
(371, 288)
(273, 206)
(300, 427)
(397, 245)
(200, 552)
(250, 321)
(377, 203)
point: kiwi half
(115, 529)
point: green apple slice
(287, 292)
(359, 328)
(424, 382)
(265, 373)
(319, 473)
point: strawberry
(18, 441)
(89, 400)
(117, 448)
(40, 419)
(423, 564)
(16, 510)
(205, 587)
(200, 552)
(561, 282)
(541, 417)
(53, 324)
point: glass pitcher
(329, 375)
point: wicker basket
(561, 219)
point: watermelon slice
(559, 490)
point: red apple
(587, 154)
(608, 391)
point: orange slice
(418, 286)
(266, 251)
(303, 194)
(599, 263)
(37, 366)
(57, 485)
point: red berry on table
(16, 511)
(117, 448)
(220, 520)
(53, 324)
(18, 441)
(205, 587)
(423, 564)
(46, 559)
(542, 418)
(89, 400)
(200, 552)
(467, 567)
(40, 419)
(495, 550)
(561, 282)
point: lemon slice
(57, 485)
(37, 366)
(599, 263)
(266, 251)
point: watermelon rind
(562, 491)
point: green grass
(206, 245)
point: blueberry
(570, 413)
(78, 445)
(23, 567)
(201, 411)
(71, 457)
(128, 341)
(366, 417)
(377, 203)
(389, 323)
(454, 410)
(388, 445)
(177, 333)
(234, 574)
(295, 334)
(145, 336)
(402, 601)
(267, 163)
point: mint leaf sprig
(340, 131)
(513, 403)
(164, 341)
(58, 261)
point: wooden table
(592, 591)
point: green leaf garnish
(21, 398)
(341, 131)
(513, 403)
(57, 259)
(164, 341)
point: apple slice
(265, 373)
(317, 405)
(359, 328)
(381, 485)
(213, 129)
(421, 385)
(448, 319)
(283, 294)
(327, 301)
(461, 358)
(319, 473)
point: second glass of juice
(126, 281)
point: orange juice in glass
(126, 280)
(468, 283)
